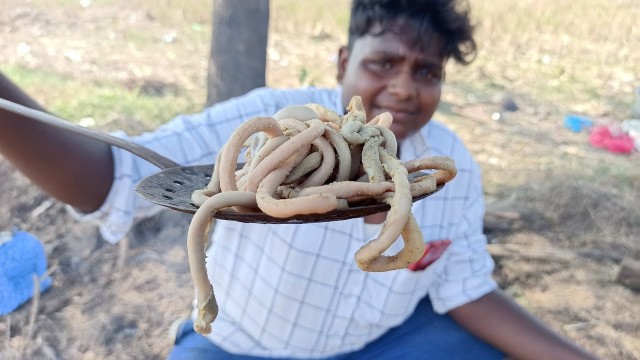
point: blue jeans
(425, 335)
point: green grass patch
(108, 103)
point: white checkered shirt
(295, 290)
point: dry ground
(563, 214)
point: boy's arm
(503, 323)
(467, 279)
(74, 169)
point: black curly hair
(448, 19)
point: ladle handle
(141, 151)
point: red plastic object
(432, 252)
(601, 137)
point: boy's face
(392, 75)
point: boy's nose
(402, 86)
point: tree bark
(237, 60)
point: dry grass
(131, 65)
(582, 56)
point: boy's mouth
(400, 114)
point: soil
(557, 238)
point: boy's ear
(343, 59)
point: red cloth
(601, 137)
(432, 252)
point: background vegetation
(570, 209)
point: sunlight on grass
(172, 12)
(559, 51)
(105, 102)
(310, 16)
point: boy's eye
(429, 75)
(380, 65)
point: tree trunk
(237, 60)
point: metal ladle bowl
(173, 185)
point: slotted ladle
(173, 185)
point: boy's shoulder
(281, 97)
(264, 101)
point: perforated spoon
(172, 187)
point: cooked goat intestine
(308, 159)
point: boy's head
(396, 54)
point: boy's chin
(401, 133)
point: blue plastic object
(21, 256)
(577, 123)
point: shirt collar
(416, 145)
(338, 101)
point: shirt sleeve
(467, 265)
(188, 140)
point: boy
(294, 291)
